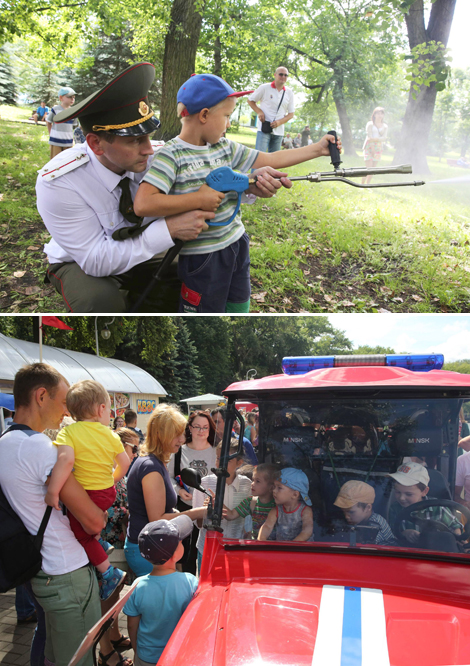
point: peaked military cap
(120, 107)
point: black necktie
(126, 208)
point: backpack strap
(38, 539)
(19, 426)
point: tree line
(345, 55)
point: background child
(91, 449)
(61, 134)
(293, 517)
(215, 267)
(411, 485)
(161, 597)
(356, 498)
(237, 488)
(260, 504)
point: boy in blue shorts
(214, 268)
(161, 597)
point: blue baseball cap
(202, 91)
(295, 479)
(65, 90)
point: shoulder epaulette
(47, 173)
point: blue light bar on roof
(299, 365)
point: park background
(191, 356)
(317, 247)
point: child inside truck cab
(411, 485)
(260, 504)
(292, 519)
(356, 498)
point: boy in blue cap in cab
(292, 519)
(214, 268)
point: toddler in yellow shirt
(91, 450)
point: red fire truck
(342, 599)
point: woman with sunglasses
(150, 493)
(199, 454)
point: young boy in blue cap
(61, 136)
(161, 597)
(292, 519)
(214, 268)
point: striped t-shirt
(258, 515)
(61, 133)
(181, 168)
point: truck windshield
(379, 472)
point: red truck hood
(295, 624)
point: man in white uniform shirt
(276, 107)
(66, 587)
(102, 254)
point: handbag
(266, 124)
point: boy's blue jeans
(211, 280)
(268, 143)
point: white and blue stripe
(351, 628)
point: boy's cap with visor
(410, 474)
(202, 91)
(295, 479)
(159, 540)
(121, 107)
(353, 492)
(65, 90)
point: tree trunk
(346, 133)
(217, 52)
(417, 121)
(178, 61)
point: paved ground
(15, 639)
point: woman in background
(376, 131)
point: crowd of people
(112, 487)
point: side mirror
(191, 478)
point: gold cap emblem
(143, 108)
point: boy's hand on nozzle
(209, 199)
(323, 144)
(52, 499)
(268, 182)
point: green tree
(458, 366)
(186, 353)
(338, 48)
(212, 339)
(7, 83)
(428, 73)
(262, 342)
(366, 349)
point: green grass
(24, 149)
(329, 247)
(324, 247)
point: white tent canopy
(113, 374)
(206, 400)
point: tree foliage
(337, 49)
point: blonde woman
(150, 493)
(376, 131)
